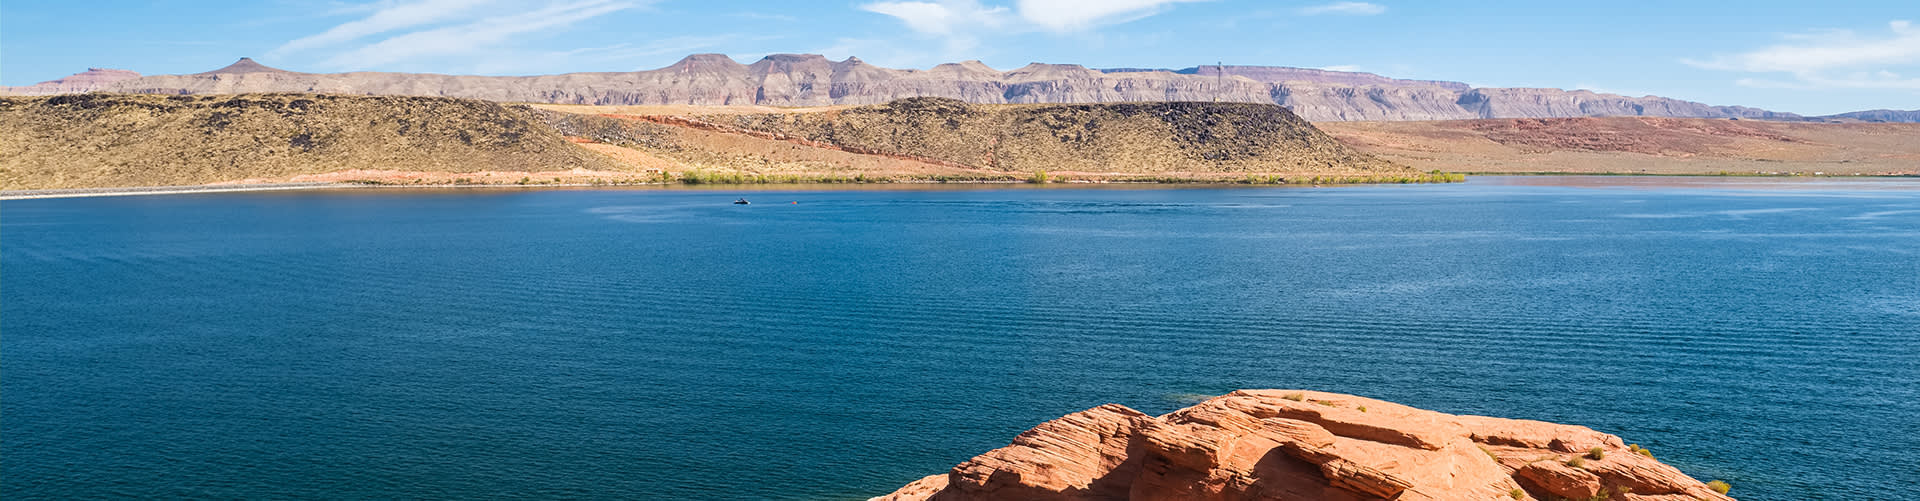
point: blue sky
(1798, 56)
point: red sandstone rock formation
(1303, 445)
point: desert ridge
(98, 140)
(790, 80)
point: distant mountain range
(1908, 116)
(813, 80)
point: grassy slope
(104, 140)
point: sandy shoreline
(237, 188)
(164, 190)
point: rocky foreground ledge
(1305, 445)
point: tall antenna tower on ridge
(1219, 77)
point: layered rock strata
(813, 80)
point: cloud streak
(946, 18)
(961, 24)
(951, 17)
(463, 31)
(385, 18)
(1076, 15)
(1836, 59)
(1345, 9)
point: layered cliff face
(1279, 74)
(813, 80)
(1303, 445)
(1556, 103)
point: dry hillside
(104, 140)
(1146, 138)
(119, 140)
(1640, 145)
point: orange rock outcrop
(1305, 445)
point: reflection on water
(667, 343)
(1853, 183)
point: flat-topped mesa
(86, 81)
(1282, 74)
(1307, 445)
(971, 68)
(812, 80)
(1047, 71)
(853, 69)
(781, 63)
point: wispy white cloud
(944, 18)
(1075, 15)
(1341, 67)
(620, 55)
(948, 17)
(673, 45)
(961, 24)
(1830, 59)
(1597, 89)
(460, 35)
(1345, 9)
(383, 17)
(763, 16)
(473, 36)
(884, 52)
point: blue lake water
(668, 344)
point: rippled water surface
(668, 344)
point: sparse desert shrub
(1576, 462)
(1295, 396)
(1720, 486)
(1596, 453)
(1637, 449)
(1363, 408)
(1516, 493)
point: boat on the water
(742, 201)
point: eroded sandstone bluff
(1305, 445)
